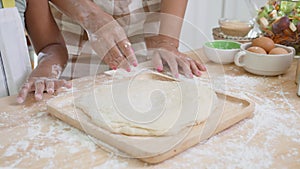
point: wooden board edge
(247, 112)
(61, 116)
(192, 141)
(182, 146)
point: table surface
(31, 138)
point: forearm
(172, 17)
(84, 12)
(45, 37)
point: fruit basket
(280, 20)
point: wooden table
(31, 138)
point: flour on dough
(148, 107)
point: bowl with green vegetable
(221, 51)
(280, 20)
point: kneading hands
(164, 51)
(107, 38)
(110, 42)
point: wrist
(94, 20)
(162, 40)
(53, 54)
(53, 71)
(52, 61)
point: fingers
(157, 62)
(50, 86)
(193, 65)
(68, 84)
(109, 60)
(185, 65)
(128, 52)
(117, 59)
(200, 66)
(24, 92)
(40, 85)
(39, 89)
(195, 69)
(62, 83)
(168, 52)
(112, 43)
(170, 58)
(175, 59)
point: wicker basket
(219, 35)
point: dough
(148, 107)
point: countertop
(31, 138)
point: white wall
(242, 9)
(199, 21)
(202, 15)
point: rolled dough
(148, 107)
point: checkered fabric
(137, 17)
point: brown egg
(278, 50)
(256, 49)
(264, 42)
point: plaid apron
(137, 17)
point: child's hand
(39, 85)
(165, 49)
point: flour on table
(148, 107)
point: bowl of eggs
(264, 57)
(221, 51)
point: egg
(278, 51)
(256, 49)
(264, 42)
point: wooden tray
(230, 110)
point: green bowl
(221, 44)
(221, 51)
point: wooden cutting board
(230, 110)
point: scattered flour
(113, 163)
(33, 143)
(45, 152)
(274, 119)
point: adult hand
(41, 84)
(165, 50)
(109, 41)
(107, 37)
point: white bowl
(221, 51)
(264, 64)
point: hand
(110, 41)
(41, 84)
(165, 49)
